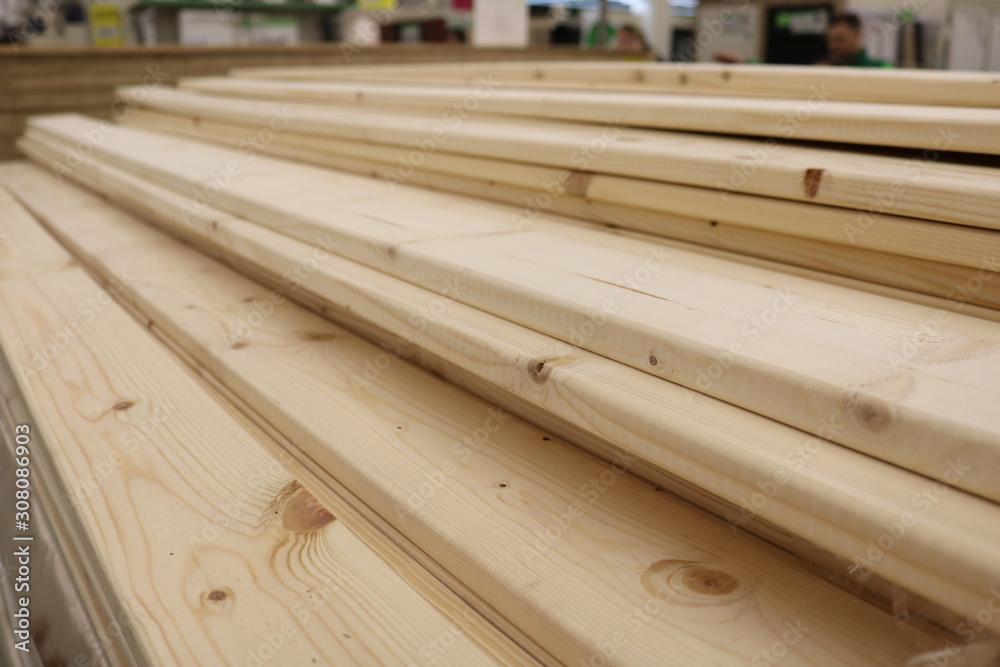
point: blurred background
(951, 34)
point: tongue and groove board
(819, 118)
(593, 562)
(908, 237)
(903, 391)
(656, 421)
(213, 553)
(901, 86)
(147, 199)
(923, 188)
(746, 224)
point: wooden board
(643, 417)
(922, 187)
(35, 61)
(65, 593)
(967, 290)
(901, 86)
(571, 590)
(212, 552)
(613, 233)
(82, 79)
(935, 284)
(821, 117)
(884, 381)
(909, 237)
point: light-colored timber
(719, 597)
(884, 380)
(212, 552)
(923, 187)
(655, 421)
(812, 284)
(947, 286)
(46, 80)
(66, 592)
(871, 230)
(901, 86)
(820, 118)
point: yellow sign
(106, 27)
(375, 5)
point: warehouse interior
(586, 333)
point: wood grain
(214, 553)
(818, 117)
(923, 187)
(933, 283)
(658, 422)
(900, 86)
(872, 230)
(714, 597)
(885, 381)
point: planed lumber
(612, 558)
(82, 80)
(910, 237)
(812, 284)
(644, 417)
(947, 287)
(64, 594)
(380, 162)
(43, 102)
(923, 186)
(938, 242)
(969, 290)
(903, 86)
(819, 118)
(929, 277)
(187, 60)
(886, 381)
(206, 543)
(613, 230)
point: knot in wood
(303, 513)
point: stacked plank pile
(873, 225)
(472, 422)
(49, 80)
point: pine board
(658, 422)
(729, 595)
(886, 381)
(900, 86)
(908, 237)
(208, 542)
(922, 188)
(968, 290)
(819, 118)
(945, 285)
(67, 592)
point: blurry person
(845, 44)
(630, 39)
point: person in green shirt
(844, 44)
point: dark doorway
(796, 34)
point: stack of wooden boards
(48, 80)
(755, 196)
(507, 470)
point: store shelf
(239, 5)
